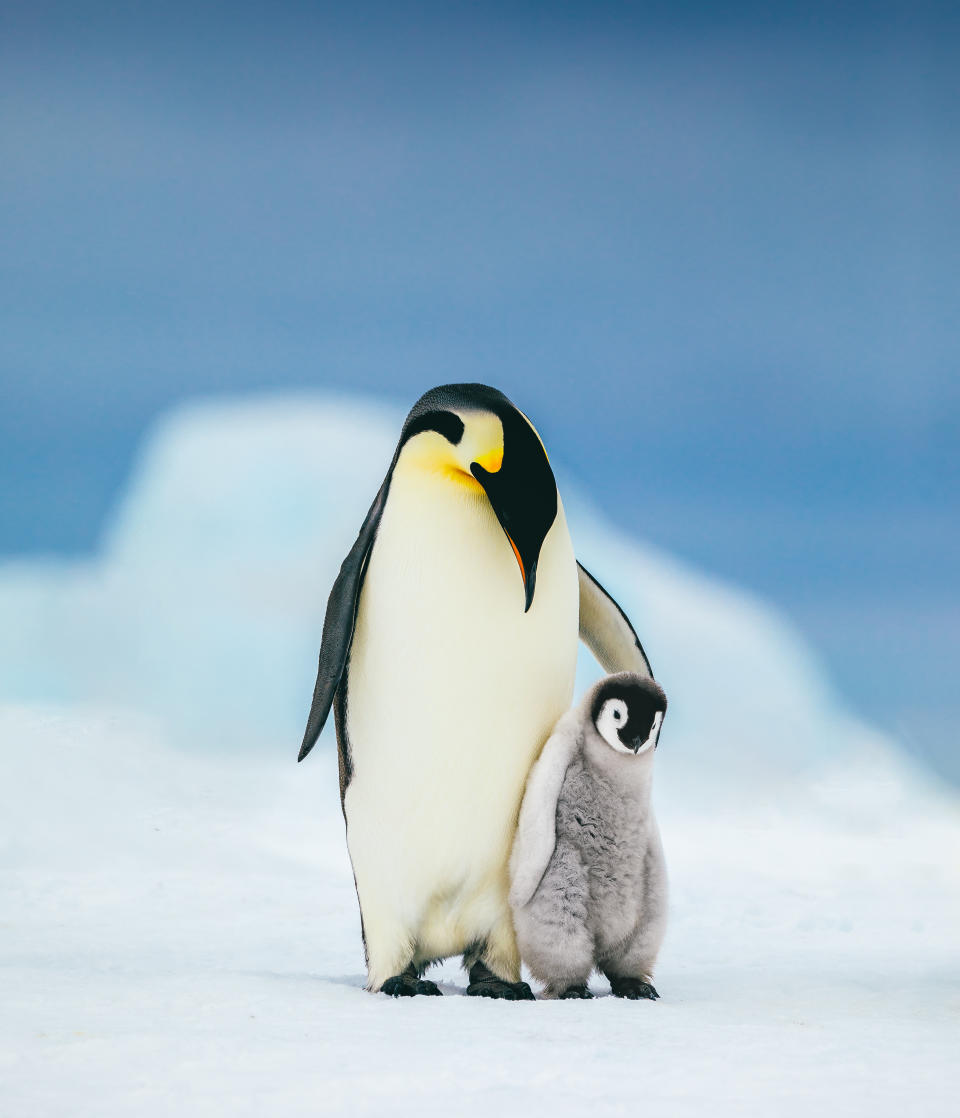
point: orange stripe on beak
(523, 573)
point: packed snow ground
(180, 935)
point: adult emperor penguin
(448, 654)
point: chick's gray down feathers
(588, 879)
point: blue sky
(715, 258)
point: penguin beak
(528, 572)
(506, 510)
(529, 575)
(638, 744)
(522, 491)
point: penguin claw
(575, 992)
(633, 988)
(400, 986)
(485, 984)
(498, 988)
(408, 986)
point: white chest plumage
(451, 692)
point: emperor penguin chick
(588, 880)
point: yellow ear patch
(481, 442)
(492, 460)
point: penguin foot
(575, 992)
(485, 984)
(633, 988)
(497, 988)
(408, 985)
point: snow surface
(180, 935)
(178, 926)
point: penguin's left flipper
(606, 630)
(485, 984)
(339, 622)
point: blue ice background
(714, 256)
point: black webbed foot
(498, 988)
(485, 984)
(400, 986)
(633, 988)
(409, 984)
(575, 992)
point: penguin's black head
(483, 442)
(627, 711)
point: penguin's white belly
(452, 691)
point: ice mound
(204, 608)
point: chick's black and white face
(628, 714)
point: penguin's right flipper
(536, 835)
(339, 622)
(606, 630)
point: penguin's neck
(446, 528)
(631, 777)
(443, 647)
(423, 490)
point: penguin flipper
(606, 630)
(536, 834)
(339, 622)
